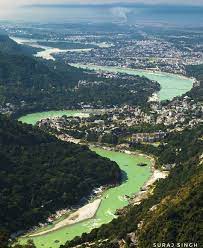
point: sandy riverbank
(83, 213)
(147, 189)
(88, 211)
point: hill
(40, 174)
(9, 46)
(171, 214)
(196, 71)
(29, 84)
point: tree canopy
(172, 213)
(40, 174)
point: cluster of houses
(147, 53)
(123, 123)
(148, 137)
(180, 113)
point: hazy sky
(11, 3)
(11, 9)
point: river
(112, 199)
(136, 178)
(33, 118)
(172, 85)
(48, 51)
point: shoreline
(156, 72)
(156, 174)
(75, 113)
(86, 212)
(89, 210)
(59, 50)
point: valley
(104, 131)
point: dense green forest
(176, 213)
(9, 46)
(40, 174)
(28, 84)
(197, 72)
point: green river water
(35, 117)
(112, 199)
(171, 85)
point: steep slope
(197, 72)
(29, 84)
(176, 218)
(9, 46)
(40, 174)
(171, 214)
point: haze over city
(104, 11)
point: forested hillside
(9, 46)
(171, 214)
(197, 72)
(29, 84)
(40, 174)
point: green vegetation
(9, 46)
(197, 72)
(176, 211)
(4, 242)
(31, 85)
(67, 172)
(175, 148)
(40, 174)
